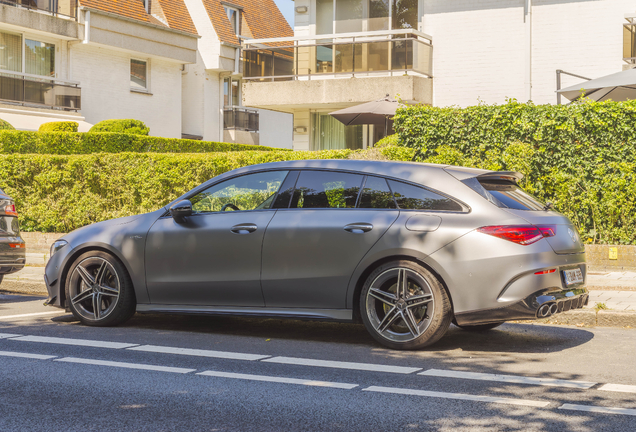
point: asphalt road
(196, 373)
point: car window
(411, 197)
(510, 195)
(326, 189)
(249, 192)
(376, 194)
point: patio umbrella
(375, 112)
(618, 87)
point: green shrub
(84, 143)
(580, 157)
(62, 126)
(387, 141)
(5, 125)
(129, 126)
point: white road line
(10, 317)
(279, 380)
(125, 365)
(459, 396)
(198, 352)
(78, 342)
(618, 388)
(598, 409)
(26, 355)
(515, 379)
(342, 365)
(7, 335)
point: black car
(12, 247)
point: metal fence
(67, 8)
(240, 119)
(27, 89)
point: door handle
(358, 228)
(244, 228)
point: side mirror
(181, 210)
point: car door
(311, 249)
(214, 256)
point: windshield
(505, 194)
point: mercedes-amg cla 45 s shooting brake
(406, 248)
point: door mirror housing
(181, 210)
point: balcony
(38, 91)
(241, 119)
(288, 74)
(62, 8)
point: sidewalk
(612, 294)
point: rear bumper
(541, 304)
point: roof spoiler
(501, 175)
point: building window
(147, 5)
(138, 74)
(330, 134)
(233, 16)
(19, 54)
(353, 16)
(11, 52)
(231, 92)
(629, 43)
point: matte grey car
(407, 248)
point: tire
(479, 327)
(416, 316)
(99, 291)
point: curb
(593, 318)
(23, 287)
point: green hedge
(84, 143)
(129, 126)
(61, 126)
(5, 125)
(580, 157)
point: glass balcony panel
(401, 54)
(23, 90)
(377, 56)
(283, 62)
(349, 16)
(423, 58)
(348, 57)
(324, 59)
(11, 88)
(240, 119)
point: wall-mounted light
(301, 9)
(300, 129)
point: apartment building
(437, 52)
(91, 60)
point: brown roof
(174, 12)
(263, 18)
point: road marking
(516, 379)
(7, 335)
(618, 388)
(78, 342)
(26, 355)
(125, 365)
(598, 409)
(342, 365)
(198, 352)
(459, 396)
(279, 380)
(2, 318)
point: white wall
(276, 129)
(104, 74)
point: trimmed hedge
(580, 157)
(129, 126)
(5, 125)
(62, 126)
(85, 143)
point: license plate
(573, 276)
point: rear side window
(411, 197)
(326, 189)
(376, 194)
(509, 195)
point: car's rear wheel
(479, 327)
(404, 306)
(99, 291)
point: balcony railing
(380, 52)
(26, 89)
(66, 8)
(240, 119)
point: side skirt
(343, 315)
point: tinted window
(416, 198)
(509, 195)
(325, 189)
(248, 192)
(376, 194)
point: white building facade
(436, 52)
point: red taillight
(17, 245)
(520, 234)
(545, 272)
(10, 210)
(548, 230)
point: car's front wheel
(99, 291)
(404, 306)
